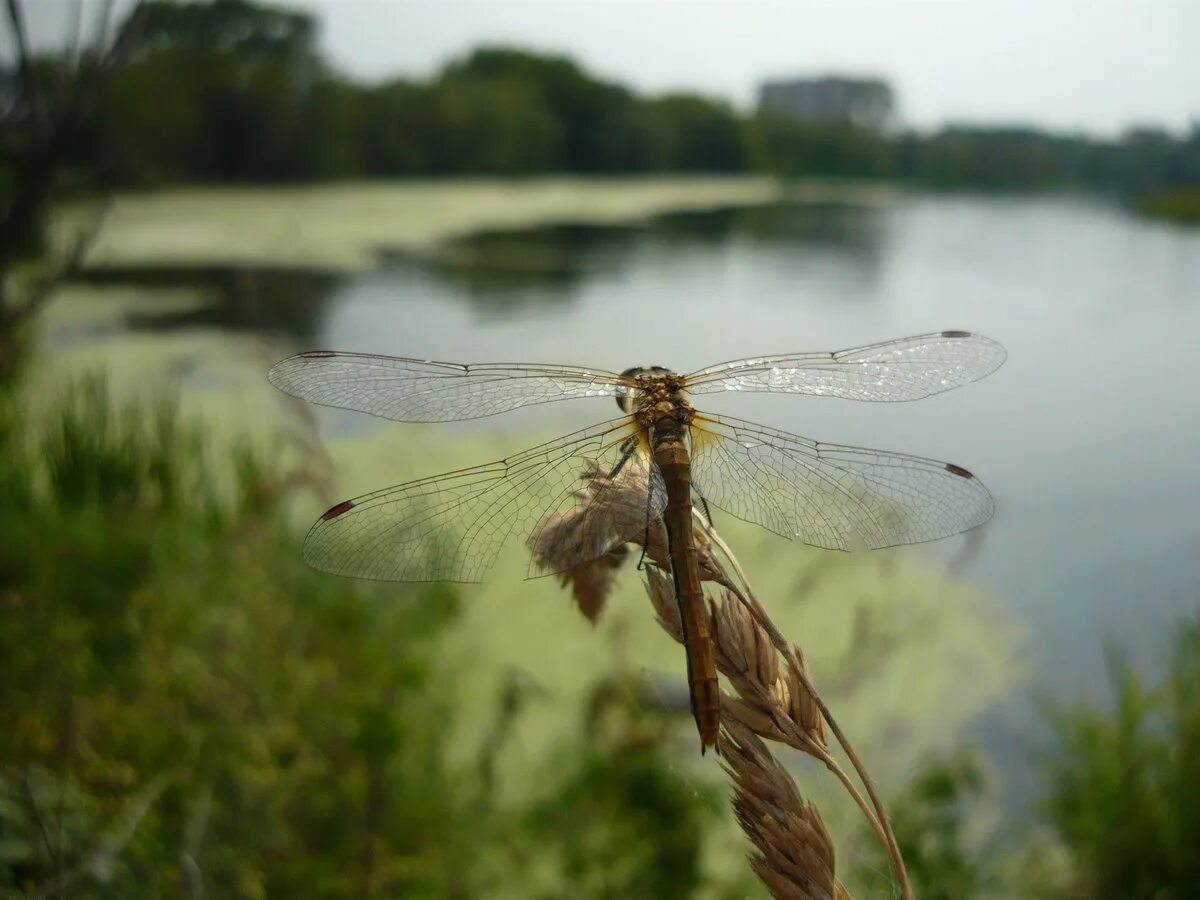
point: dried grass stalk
(773, 694)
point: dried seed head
(795, 857)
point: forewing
(419, 390)
(828, 495)
(451, 527)
(905, 369)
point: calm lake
(1088, 437)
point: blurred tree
(251, 35)
(250, 99)
(330, 128)
(705, 136)
(781, 144)
(400, 129)
(246, 83)
(500, 127)
(636, 138)
(583, 106)
(993, 158)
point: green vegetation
(1120, 811)
(251, 100)
(1179, 205)
(931, 822)
(189, 709)
(1124, 794)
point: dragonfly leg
(627, 449)
(646, 533)
(703, 502)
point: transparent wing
(840, 498)
(451, 527)
(905, 369)
(421, 390)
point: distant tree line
(233, 91)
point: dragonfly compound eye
(625, 392)
(624, 395)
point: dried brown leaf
(608, 504)
(592, 582)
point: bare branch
(29, 80)
(103, 23)
(128, 36)
(74, 44)
(12, 317)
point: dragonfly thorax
(653, 394)
(644, 386)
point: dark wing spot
(956, 334)
(336, 510)
(318, 354)
(950, 467)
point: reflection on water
(819, 229)
(499, 272)
(502, 273)
(274, 302)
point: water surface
(1088, 436)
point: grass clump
(1180, 204)
(932, 817)
(190, 711)
(1124, 785)
(185, 702)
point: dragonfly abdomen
(671, 457)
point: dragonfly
(452, 526)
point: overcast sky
(1068, 64)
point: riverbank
(1181, 205)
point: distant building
(868, 102)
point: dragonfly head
(627, 393)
